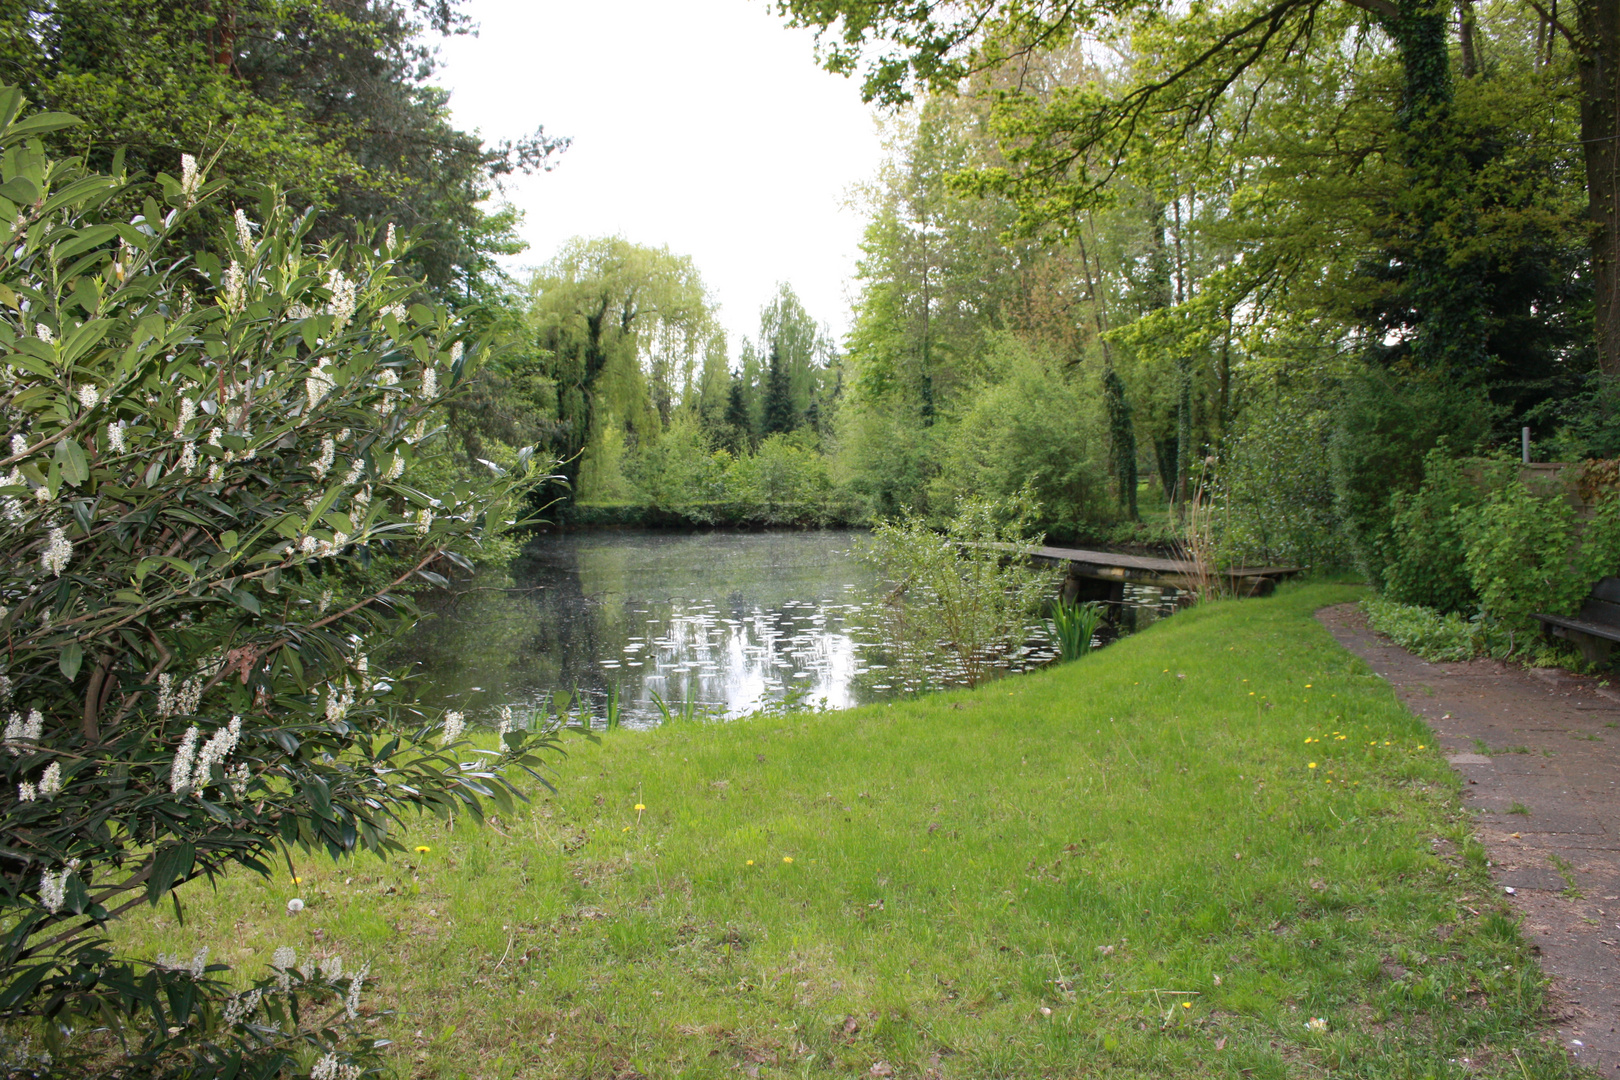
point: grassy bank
(1165, 859)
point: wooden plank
(1611, 633)
(1150, 564)
(1601, 612)
(1608, 589)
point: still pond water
(735, 621)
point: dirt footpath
(1540, 752)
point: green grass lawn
(1162, 860)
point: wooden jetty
(1103, 575)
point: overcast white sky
(704, 125)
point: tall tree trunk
(1598, 60)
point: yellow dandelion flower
(787, 858)
(640, 807)
(1307, 686)
(1312, 765)
(1420, 746)
(1186, 1004)
(750, 862)
(297, 880)
(625, 829)
(422, 849)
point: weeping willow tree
(622, 331)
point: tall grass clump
(1073, 627)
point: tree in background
(778, 416)
(620, 330)
(328, 100)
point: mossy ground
(1161, 860)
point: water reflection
(731, 622)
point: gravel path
(1539, 750)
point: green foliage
(214, 503)
(1274, 492)
(1433, 635)
(965, 591)
(1425, 561)
(1073, 627)
(325, 99)
(778, 416)
(1526, 553)
(784, 482)
(1031, 426)
(1385, 427)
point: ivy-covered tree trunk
(1598, 61)
(1121, 441)
(1445, 296)
(1183, 428)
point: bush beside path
(1220, 847)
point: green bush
(1425, 554)
(1386, 424)
(784, 482)
(1274, 494)
(959, 592)
(213, 460)
(1034, 426)
(1433, 635)
(1526, 554)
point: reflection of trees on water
(738, 620)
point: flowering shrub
(207, 510)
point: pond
(733, 621)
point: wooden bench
(1597, 626)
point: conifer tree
(779, 415)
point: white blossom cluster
(238, 778)
(323, 464)
(115, 438)
(241, 1007)
(89, 396)
(53, 887)
(454, 725)
(58, 550)
(345, 297)
(430, 383)
(19, 731)
(282, 961)
(47, 788)
(234, 287)
(351, 1004)
(424, 521)
(244, 231)
(388, 380)
(318, 384)
(328, 1069)
(195, 967)
(506, 721)
(181, 702)
(338, 703)
(195, 771)
(190, 178)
